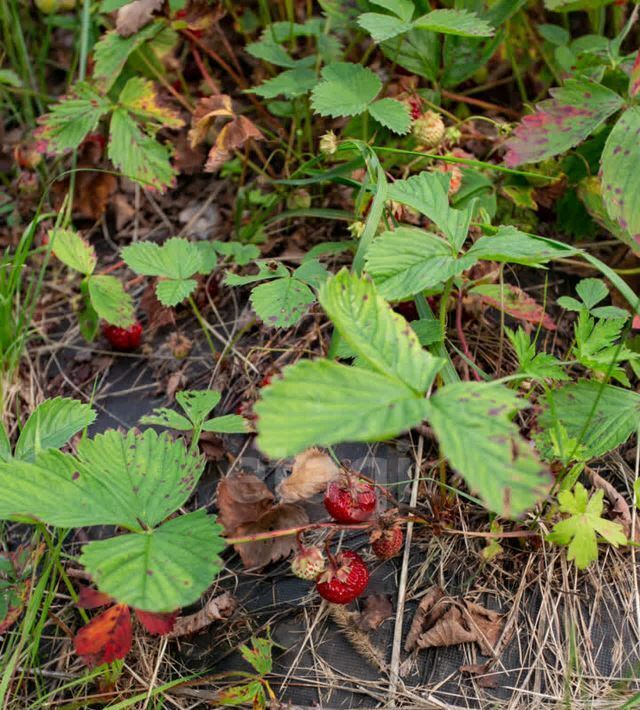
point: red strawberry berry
(345, 580)
(123, 339)
(350, 501)
(387, 542)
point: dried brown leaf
(232, 136)
(423, 616)
(217, 609)
(135, 15)
(262, 552)
(312, 470)
(206, 112)
(242, 499)
(448, 623)
(377, 609)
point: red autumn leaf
(106, 638)
(515, 302)
(90, 598)
(158, 624)
(634, 82)
(562, 122)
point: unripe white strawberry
(308, 563)
(429, 130)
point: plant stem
(204, 325)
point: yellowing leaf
(207, 110)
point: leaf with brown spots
(262, 552)
(312, 470)
(562, 122)
(106, 638)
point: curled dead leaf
(442, 621)
(216, 609)
(135, 15)
(311, 471)
(206, 112)
(232, 136)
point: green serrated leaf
(73, 250)
(620, 175)
(408, 260)
(473, 424)
(538, 365)
(580, 531)
(598, 416)
(455, 22)
(159, 570)
(112, 51)
(110, 301)
(311, 272)
(323, 403)
(402, 8)
(383, 27)
(241, 254)
(511, 245)
(66, 125)
(282, 302)
(51, 425)
(392, 114)
(226, 424)
(161, 416)
(272, 52)
(171, 292)
(592, 291)
(198, 404)
(375, 333)
(259, 655)
(266, 270)
(346, 89)
(290, 83)
(177, 258)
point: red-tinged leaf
(90, 598)
(636, 323)
(562, 122)
(158, 624)
(515, 302)
(634, 81)
(106, 638)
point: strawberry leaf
(392, 114)
(112, 51)
(473, 424)
(51, 425)
(580, 531)
(634, 79)
(282, 302)
(345, 90)
(90, 598)
(162, 569)
(106, 638)
(110, 301)
(514, 301)
(73, 250)
(380, 337)
(139, 96)
(69, 121)
(454, 22)
(382, 27)
(620, 175)
(562, 122)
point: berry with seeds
(386, 542)
(308, 563)
(350, 500)
(345, 580)
(429, 130)
(123, 339)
